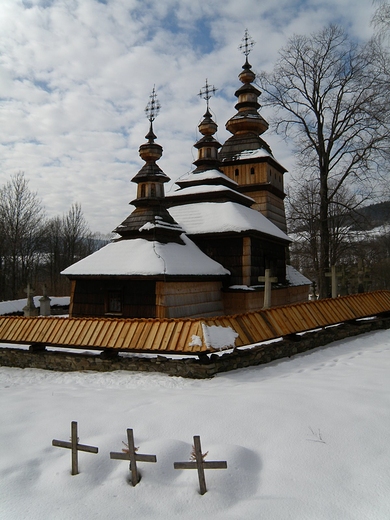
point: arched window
(153, 190)
(142, 191)
(252, 171)
(236, 172)
(208, 152)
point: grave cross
(75, 447)
(200, 464)
(334, 277)
(267, 279)
(30, 309)
(131, 454)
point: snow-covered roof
(206, 175)
(254, 154)
(214, 217)
(205, 188)
(295, 277)
(147, 258)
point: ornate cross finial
(207, 92)
(247, 44)
(153, 107)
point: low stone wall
(197, 368)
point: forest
(35, 249)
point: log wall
(188, 299)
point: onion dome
(151, 219)
(247, 124)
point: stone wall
(197, 368)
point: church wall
(270, 205)
(188, 299)
(267, 255)
(254, 178)
(238, 302)
(228, 251)
(115, 298)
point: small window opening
(252, 171)
(114, 302)
(236, 172)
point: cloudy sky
(75, 77)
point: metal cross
(207, 92)
(247, 44)
(153, 107)
(75, 447)
(131, 454)
(200, 464)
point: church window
(142, 190)
(153, 190)
(236, 172)
(252, 171)
(114, 302)
(208, 152)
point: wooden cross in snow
(75, 447)
(200, 464)
(267, 279)
(131, 454)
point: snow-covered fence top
(190, 336)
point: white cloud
(75, 76)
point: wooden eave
(176, 336)
(228, 195)
(249, 160)
(157, 277)
(246, 233)
(262, 186)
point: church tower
(245, 157)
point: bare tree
(21, 234)
(303, 217)
(68, 239)
(381, 18)
(330, 96)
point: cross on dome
(247, 44)
(153, 107)
(207, 92)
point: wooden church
(202, 250)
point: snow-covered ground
(305, 438)
(7, 307)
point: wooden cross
(75, 447)
(200, 464)
(131, 454)
(334, 277)
(267, 279)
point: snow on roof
(147, 258)
(214, 217)
(206, 175)
(295, 277)
(253, 154)
(205, 188)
